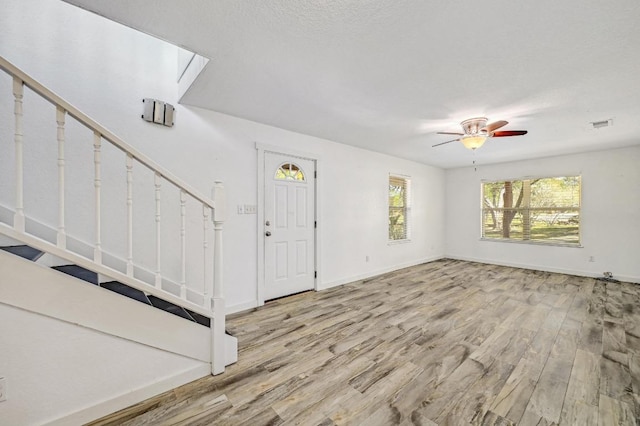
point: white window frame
(407, 209)
(577, 244)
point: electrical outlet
(3, 389)
(240, 209)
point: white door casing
(289, 218)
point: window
(544, 210)
(289, 171)
(399, 208)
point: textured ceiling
(386, 75)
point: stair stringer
(36, 288)
(90, 380)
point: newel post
(218, 324)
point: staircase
(199, 300)
(91, 277)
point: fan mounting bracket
(475, 126)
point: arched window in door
(289, 171)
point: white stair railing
(213, 304)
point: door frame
(262, 149)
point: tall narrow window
(544, 210)
(399, 208)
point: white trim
(532, 177)
(286, 151)
(47, 233)
(396, 242)
(408, 208)
(371, 274)
(626, 278)
(261, 149)
(104, 270)
(233, 309)
(260, 228)
(318, 229)
(399, 175)
(125, 400)
(553, 243)
(32, 287)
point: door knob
(267, 223)
(268, 233)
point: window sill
(533, 242)
(394, 242)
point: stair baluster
(129, 215)
(97, 181)
(18, 93)
(60, 120)
(183, 244)
(157, 180)
(205, 249)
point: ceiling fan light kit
(476, 132)
(473, 142)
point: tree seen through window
(540, 210)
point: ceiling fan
(476, 132)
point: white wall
(610, 215)
(54, 368)
(106, 69)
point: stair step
(170, 307)
(24, 251)
(200, 319)
(127, 291)
(79, 272)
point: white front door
(289, 215)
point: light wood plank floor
(443, 343)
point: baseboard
(567, 271)
(375, 273)
(125, 400)
(230, 350)
(323, 286)
(241, 307)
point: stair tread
(170, 307)
(127, 291)
(79, 272)
(24, 251)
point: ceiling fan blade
(442, 143)
(451, 133)
(494, 126)
(504, 133)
